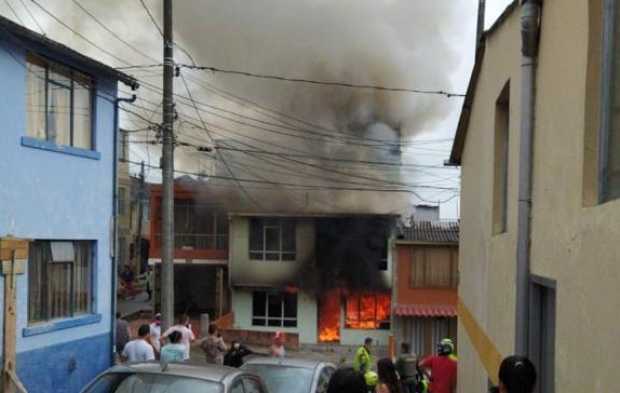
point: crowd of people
(175, 343)
(406, 374)
(434, 374)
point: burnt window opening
(368, 311)
(273, 239)
(274, 309)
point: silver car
(175, 378)
(290, 375)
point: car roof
(290, 362)
(207, 372)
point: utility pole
(141, 197)
(167, 212)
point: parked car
(290, 375)
(175, 378)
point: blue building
(58, 135)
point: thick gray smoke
(408, 43)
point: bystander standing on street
(213, 346)
(388, 377)
(277, 346)
(139, 349)
(347, 380)
(155, 328)
(517, 374)
(174, 351)
(122, 333)
(442, 368)
(187, 335)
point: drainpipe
(530, 30)
(114, 229)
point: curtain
(40, 254)
(82, 133)
(83, 277)
(59, 113)
(35, 99)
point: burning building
(317, 277)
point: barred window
(274, 309)
(60, 281)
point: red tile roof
(425, 310)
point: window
(324, 377)
(274, 309)
(59, 279)
(542, 332)
(272, 239)
(199, 226)
(425, 333)
(123, 154)
(368, 311)
(500, 164)
(59, 104)
(122, 201)
(434, 267)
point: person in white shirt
(139, 350)
(155, 328)
(185, 328)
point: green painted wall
(306, 316)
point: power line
(36, 22)
(323, 83)
(245, 192)
(112, 32)
(14, 13)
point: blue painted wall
(49, 195)
(68, 367)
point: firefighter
(442, 368)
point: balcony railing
(199, 241)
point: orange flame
(368, 311)
(329, 316)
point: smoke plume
(379, 42)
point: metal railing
(199, 241)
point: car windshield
(283, 379)
(151, 383)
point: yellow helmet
(371, 378)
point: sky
(388, 42)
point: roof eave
(463, 124)
(22, 33)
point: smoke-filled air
(294, 146)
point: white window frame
(281, 319)
(280, 252)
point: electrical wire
(311, 81)
(36, 22)
(14, 13)
(243, 190)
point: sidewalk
(132, 306)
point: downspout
(530, 31)
(114, 260)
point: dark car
(290, 375)
(175, 378)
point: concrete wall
(486, 261)
(574, 240)
(50, 195)
(307, 312)
(247, 272)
